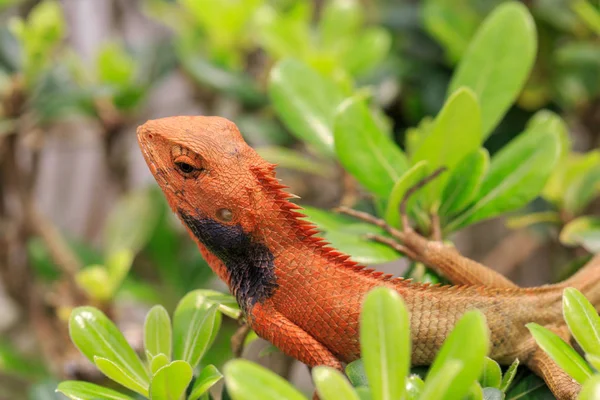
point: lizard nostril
(150, 136)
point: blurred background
(81, 220)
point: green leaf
(491, 393)
(472, 329)
(130, 223)
(348, 236)
(583, 320)
(582, 231)
(591, 389)
(464, 182)
(594, 361)
(114, 65)
(287, 158)
(171, 381)
(117, 374)
(248, 381)
(339, 19)
(517, 174)
(438, 386)
(157, 362)
(456, 132)
(306, 102)
(583, 189)
(563, 354)
(385, 343)
(332, 385)
(414, 387)
(380, 162)
(356, 373)
(157, 332)
(498, 61)
(195, 325)
(367, 51)
(207, 378)
(491, 375)
(564, 186)
(406, 181)
(96, 336)
(509, 376)
(118, 265)
(77, 390)
(95, 282)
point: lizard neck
(245, 264)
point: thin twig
(411, 191)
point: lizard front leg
(273, 326)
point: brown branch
(412, 190)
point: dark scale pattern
(249, 263)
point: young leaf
(171, 381)
(379, 163)
(591, 389)
(464, 182)
(157, 332)
(195, 325)
(456, 132)
(414, 387)
(582, 231)
(332, 385)
(517, 174)
(491, 375)
(406, 181)
(488, 66)
(117, 374)
(563, 354)
(356, 373)
(472, 329)
(385, 343)
(306, 102)
(583, 320)
(94, 280)
(594, 361)
(367, 51)
(438, 386)
(509, 375)
(77, 390)
(157, 362)
(246, 380)
(207, 378)
(96, 336)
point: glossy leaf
(491, 375)
(209, 375)
(439, 386)
(464, 182)
(171, 381)
(563, 354)
(117, 374)
(594, 361)
(509, 376)
(96, 336)
(157, 362)
(368, 50)
(380, 162)
(385, 343)
(456, 132)
(414, 387)
(492, 393)
(94, 280)
(498, 61)
(356, 373)
(348, 236)
(306, 102)
(195, 325)
(402, 185)
(331, 384)
(248, 381)
(77, 390)
(591, 389)
(472, 329)
(583, 320)
(582, 231)
(157, 332)
(517, 174)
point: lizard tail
(587, 280)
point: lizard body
(304, 296)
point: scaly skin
(305, 297)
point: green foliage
(584, 324)
(195, 325)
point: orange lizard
(305, 297)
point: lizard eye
(186, 167)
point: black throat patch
(249, 263)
